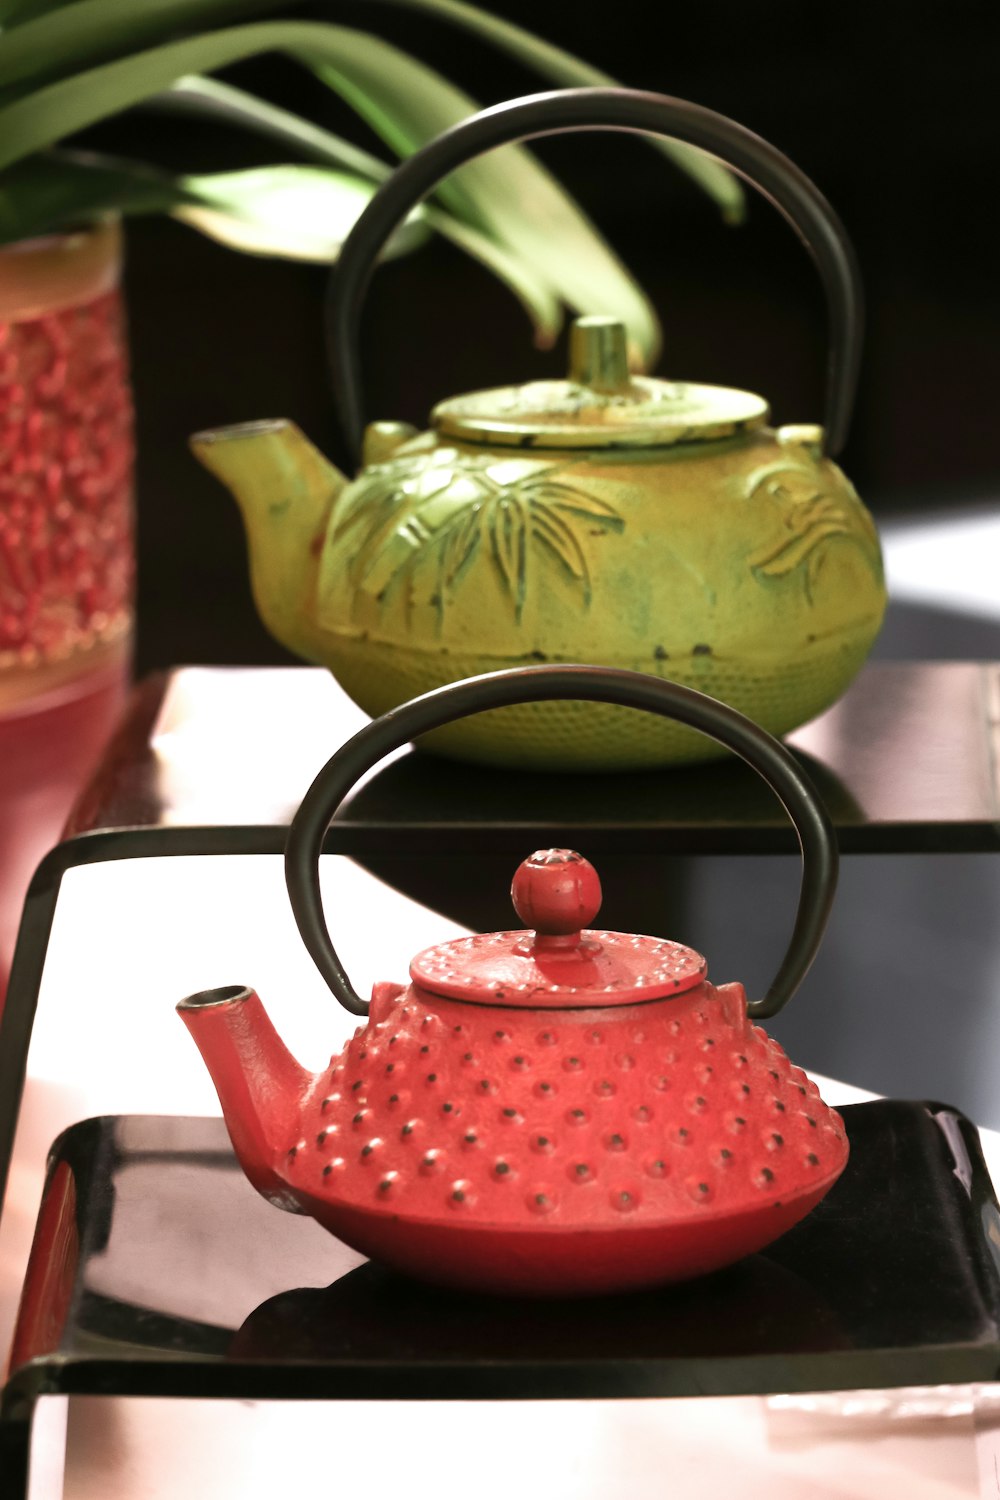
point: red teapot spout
(260, 1085)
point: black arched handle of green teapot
(396, 728)
(559, 112)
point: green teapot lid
(600, 405)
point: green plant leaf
(293, 211)
(304, 213)
(222, 101)
(212, 99)
(52, 39)
(69, 38)
(16, 12)
(568, 71)
(57, 189)
(508, 196)
(297, 212)
(59, 109)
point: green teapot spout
(285, 489)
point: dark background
(892, 108)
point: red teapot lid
(560, 961)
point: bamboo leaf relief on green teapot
(409, 532)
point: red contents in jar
(66, 555)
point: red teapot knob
(556, 892)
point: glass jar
(67, 557)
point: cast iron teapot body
(557, 1110)
(658, 526)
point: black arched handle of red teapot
(639, 113)
(396, 728)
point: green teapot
(612, 519)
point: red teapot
(557, 1110)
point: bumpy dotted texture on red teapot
(65, 483)
(662, 1113)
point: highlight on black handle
(639, 113)
(590, 684)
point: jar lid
(561, 962)
(600, 405)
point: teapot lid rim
(564, 414)
(601, 970)
(601, 404)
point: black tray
(893, 1280)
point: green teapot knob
(598, 354)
